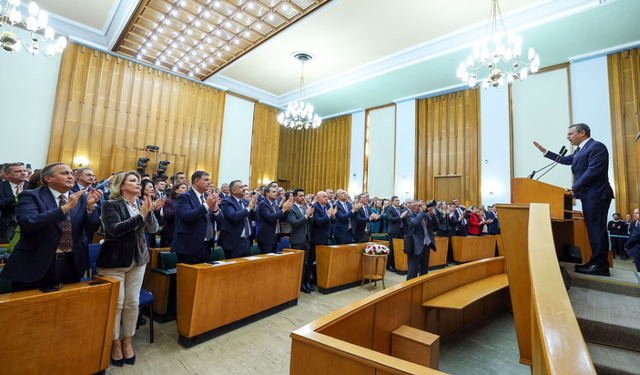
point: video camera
(142, 165)
(162, 170)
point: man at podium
(590, 166)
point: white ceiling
(91, 13)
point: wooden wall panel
(105, 101)
(264, 146)
(624, 89)
(448, 144)
(316, 159)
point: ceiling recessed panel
(92, 13)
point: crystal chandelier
(35, 22)
(299, 115)
(495, 58)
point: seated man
(53, 246)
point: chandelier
(495, 59)
(299, 115)
(35, 22)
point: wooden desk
(340, 266)
(466, 249)
(65, 332)
(437, 259)
(213, 300)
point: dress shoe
(117, 362)
(578, 266)
(303, 289)
(594, 269)
(391, 269)
(309, 287)
(130, 361)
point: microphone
(560, 154)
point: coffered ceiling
(367, 52)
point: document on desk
(276, 254)
(252, 258)
(222, 263)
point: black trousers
(391, 262)
(306, 270)
(203, 256)
(242, 249)
(617, 246)
(595, 218)
(61, 271)
(418, 263)
(7, 231)
(347, 239)
(268, 248)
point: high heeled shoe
(118, 362)
(130, 361)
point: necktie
(366, 212)
(398, 210)
(209, 234)
(66, 240)
(577, 149)
(464, 221)
(273, 207)
(425, 225)
(18, 189)
(247, 228)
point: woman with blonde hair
(124, 254)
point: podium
(526, 190)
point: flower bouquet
(375, 249)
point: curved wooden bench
(464, 296)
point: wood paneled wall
(264, 146)
(105, 101)
(624, 93)
(316, 159)
(448, 144)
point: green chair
(254, 249)
(5, 285)
(217, 253)
(380, 237)
(167, 262)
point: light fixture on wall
(497, 56)
(35, 22)
(299, 114)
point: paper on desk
(251, 258)
(222, 263)
(278, 254)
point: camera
(142, 165)
(162, 169)
(431, 203)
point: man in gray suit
(301, 219)
(418, 238)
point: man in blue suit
(418, 238)
(323, 215)
(492, 219)
(345, 219)
(301, 219)
(364, 217)
(235, 231)
(270, 218)
(53, 246)
(196, 222)
(590, 166)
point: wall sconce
(81, 161)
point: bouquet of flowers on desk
(375, 249)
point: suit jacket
(590, 167)
(494, 228)
(231, 228)
(632, 245)
(191, 223)
(343, 219)
(394, 220)
(267, 222)
(169, 225)
(474, 224)
(414, 235)
(125, 237)
(458, 227)
(632, 226)
(8, 202)
(40, 221)
(300, 226)
(359, 234)
(612, 227)
(321, 228)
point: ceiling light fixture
(496, 59)
(299, 115)
(36, 21)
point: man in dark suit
(364, 217)
(53, 246)
(345, 222)
(590, 166)
(235, 231)
(15, 183)
(301, 219)
(395, 227)
(418, 239)
(84, 179)
(323, 215)
(270, 218)
(618, 235)
(633, 224)
(461, 217)
(196, 221)
(224, 191)
(492, 219)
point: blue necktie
(209, 234)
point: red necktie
(66, 241)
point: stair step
(608, 360)
(607, 317)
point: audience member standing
(169, 213)
(634, 223)
(15, 182)
(345, 219)
(419, 239)
(301, 219)
(475, 222)
(124, 255)
(364, 217)
(492, 220)
(395, 228)
(461, 216)
(632, 247)
(84, 179)
(446, 225)
(270, 218)
(617, 231)
(224, 191)
(53, 243)
(323, 215)
(235, 230)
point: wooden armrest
(465, 295)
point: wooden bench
(465, 295)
